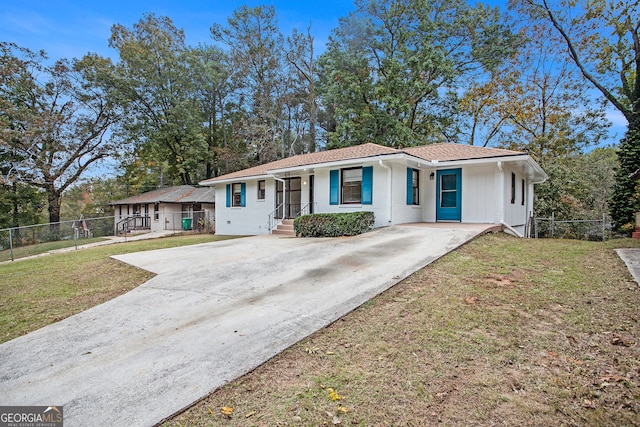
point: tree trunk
(53, 198)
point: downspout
(501, 192)
(389, 182)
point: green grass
(39, 291)
(30, 250)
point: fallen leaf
(330, 353)
(336, 420)
(226, 410)
(333, 395)
(250, 414)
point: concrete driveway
(213, 312)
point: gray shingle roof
(180, 194)
(441, 152)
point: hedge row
(333, 225)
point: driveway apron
(212, 313)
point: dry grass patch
(502, 332)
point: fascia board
(237, 179)
(539, 174)
(350, 162)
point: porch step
(285, 229)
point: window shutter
(409, 186)
(334, 187)
(367, 185)
(243, 194)
(228, 195)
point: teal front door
(449, 191)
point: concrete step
(285, 228)
(281, 232)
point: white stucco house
(165, 209)
(431, 183)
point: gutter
(390, 186)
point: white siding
(380, 201)
(247, 220)
(479, 198)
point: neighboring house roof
(431, 153)
(180, 194)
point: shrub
(333, 225)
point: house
(431, 183)
(165, 209)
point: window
(352, 185)
(413, 186)
(236, 192)
(523, 192)
(261, 189)
(156, 211)
(513, 188)
(448, 191)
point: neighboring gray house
(165, 208)
(431, 183)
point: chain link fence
(595, 230)
(55, 235)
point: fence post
(603, 227)
(11, 243)
(553, 216)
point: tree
(158, 89)
(392, 68)
(57, 119)
(602, 39)
(300, 56)
(255, 50)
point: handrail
(124, 225)
(272, 221)
(304, 210)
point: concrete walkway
(213, 312)
(631, 258)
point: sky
(70, 29)
(67, 29)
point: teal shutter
(243, 194)
(334, 187)
(228, 195)
(409, 186)
(367, 185)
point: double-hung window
(236, 194)
(261, 189)
(352, 185)
(236, 190)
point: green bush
(333, 225)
